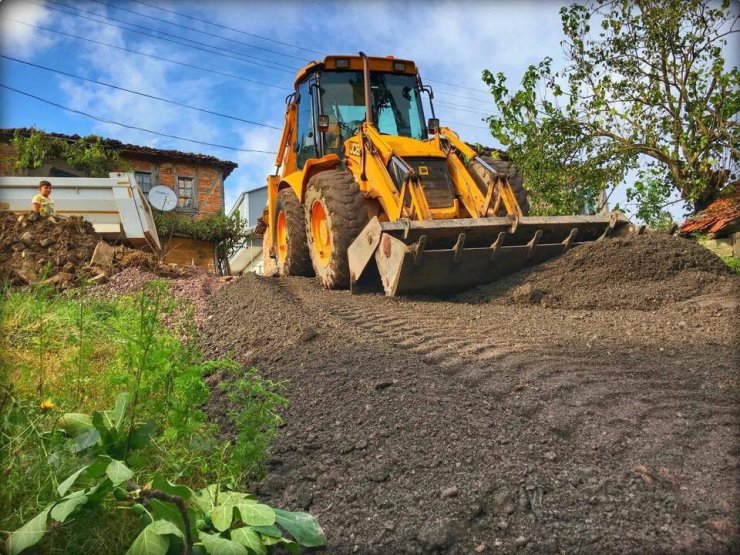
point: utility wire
(103, 120)
(149, 35)
(458, 86)
(465, 125)
(226, 27)
(195, 43)
(180, 14)
(247, 79)
(458, 96)
(461, 108)
(191, 66)
(139, 14)
(168, 101)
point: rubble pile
(51, 249)
(65, 252)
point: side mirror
(323, 123)
(433, 125)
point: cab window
(306, 140)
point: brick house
(197, 179)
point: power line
(202, 32)
(168, 101)
(227, 27)
(194, 44)
(247, 79)
(180, 14)
(458, 86)
(150, 30)
(103, 120)
(465, 125)
(461, 108)
(191, 66)
(457, 96)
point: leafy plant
(91, 154)
(139, 343)
(173, 516)
(645, 83)
(229, 232)
(254, 419)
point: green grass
(74, 353)
(733, 262)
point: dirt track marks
(393, 401)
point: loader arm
(410, 201)
(501, 189)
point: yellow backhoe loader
(368, 194)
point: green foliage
(88, 154)
(254, 417)
(229, 521)
(733, 262)
(650, 192)
(563, 168)
(647, 83)
(228, 231)
(82, 459)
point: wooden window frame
(194, 180)
(151, 180)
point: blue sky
(452, 42)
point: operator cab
(335, 90)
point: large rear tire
(291, 248)
(335, 215)
(483, 177)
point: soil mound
(641, 272)
(33, 247)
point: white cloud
(18, 39)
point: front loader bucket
(445, 256)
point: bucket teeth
(446, 256)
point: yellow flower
(47, 404)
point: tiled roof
(139, 151)
(720, 217)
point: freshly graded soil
(422, 426)
(640, 272)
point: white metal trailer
(114, 205)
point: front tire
(291, 248)
(335, 215)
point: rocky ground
(429, 426)
(66, 252)
(50, 248)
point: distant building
(196, 179)
(719, 222)
(250, 206)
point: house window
(185, 192)
(144, 179)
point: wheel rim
(320, 234)
(282, 237)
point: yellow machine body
(426, 232)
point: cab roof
(389, 64)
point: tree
(646, 89)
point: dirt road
(421, 426)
